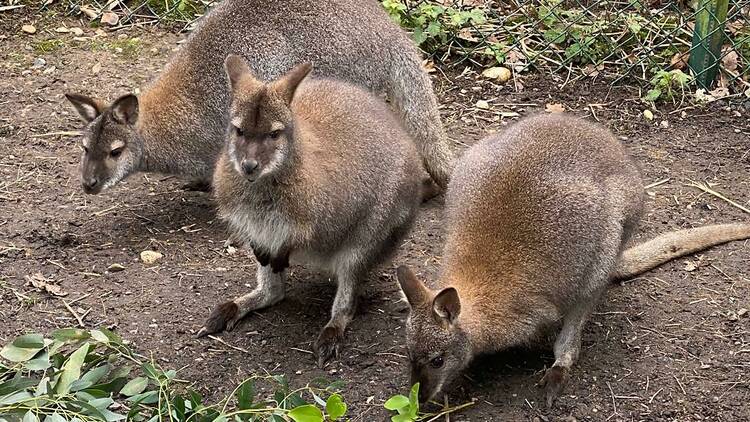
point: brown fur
(334, 184)
(538, 219)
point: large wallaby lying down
(177, 124)
(538, 219)
(322, 174)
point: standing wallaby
(322, 174)
(177, 124)
(538, 219)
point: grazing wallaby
(177, 124)
(538, 219)
(318, 172)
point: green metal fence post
(708, 37)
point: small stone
(110, 18)
(97, 67)
(484, 105)
(39, 63)
(114, 268)
(150, 257)
(62, 30)
(648, 114)
(742, 312)
(29, 29)
(664, 124)
(76, 31)
(500, 74)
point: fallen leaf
(690, 266)
(679, 60)
(76, 31)
(29, 29)
(150, 257)
(110, 18)
(97, 67)
(114, 268)
(484, 105)
(91, 13)
(44, 284)
(62, 30)
(729, 61)
(719, 92)
(500, 74)
(554, 108)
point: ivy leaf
(335, 407)
(306, 413)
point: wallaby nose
(249, 166)
(90, 183)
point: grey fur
(183, 116)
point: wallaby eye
(239, 131)
(116, 152)
(85, 149)
(274, 134)
(437, 362)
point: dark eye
(274, 134)
(239, 131)
(115, 152)
(437, 362)
(85, 150)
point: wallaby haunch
(177, 124)
(538, 219)
(322, 174)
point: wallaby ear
(235, 67)
(414, 290)
(125, 109)
(287, 84)
(447, 305)
(89, 108)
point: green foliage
(407, 408)
(47, 46)
(666, 83)
(94, 376)
(176, 10)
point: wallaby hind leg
(328, 344)
(567, 348)
(270, 290)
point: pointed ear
(235, 67)
(125, 109)
(287, 84)
(414, 290)
(447, 305)
(89, 108)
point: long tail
(669, 246)
(411, 92)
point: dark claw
(328, 344)
(553, 382)
(223, 316)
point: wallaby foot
(197, 185)
(331, 338)
(270, 290)
(430, 189)
(553, 382)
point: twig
(62, 133)
(614, 403)
(657, 183)
(710, 191)
(239, 349)
(75, 315)
(302, 350)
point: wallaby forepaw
(553, 382)
(223, 317)
(328, 344)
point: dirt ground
(671, 345)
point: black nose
(90, 183)
(249, 166)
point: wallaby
(320, 173)
(177, 124)
(538, 219)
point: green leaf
(17, 383)
(23, 348)
(149, 397)
(150, 371)
(335, 407)
(652, 94)
(135, 386)
(90, 378)
(70, 334)
(414, 400)
(39, 363)
(402, 418)
(99, 336)
(306, 413)
(55, 417)
(246, 394)
(396, 402)
(30, 417)
(15, 397)
(71, 370)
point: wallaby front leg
(270, 290)
(331, 338)
(567, 348)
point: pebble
(39, 63)
(29, 29)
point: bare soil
(671, 345)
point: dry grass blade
(707, 189)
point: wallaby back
(182, 114)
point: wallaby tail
(411, 92)
(668, 246)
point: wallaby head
(112, 147)
(438, 347)
(261, 127)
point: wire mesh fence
(660, 44)
(663, 45)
